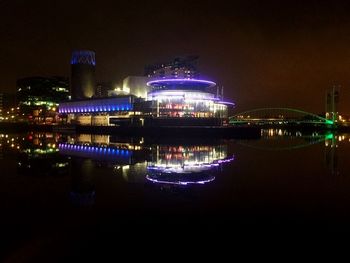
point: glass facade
(186, 98)
(180, 107)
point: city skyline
(264, 54)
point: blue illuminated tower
(83, 74)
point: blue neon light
(83, 57)
(65, 108)
(97, 150)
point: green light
(329, 136)
(329, 122)
(41, 151)
(40, 103)
(60, 165)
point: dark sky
(265, 53)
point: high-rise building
(83, 74)
(181, 67)
(102, 89)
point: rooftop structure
(83, 74)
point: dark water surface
(67, 196)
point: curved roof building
(187, 98)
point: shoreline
(145, 131)
(242, 132)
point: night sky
(265, 53)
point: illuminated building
(179, 100)
(139, 161)
(182, 67)
(39, 97)
(168, 100)
(7, 106)
(83, 74)
(187, 98)
(135, 85)
(104, 111)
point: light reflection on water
(181, 163)
(178, 163)
(292, 178)
(174, 164)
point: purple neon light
(184, 94)
(95, 108)
(227, 103)
(179, 182)
(204, 165)
(227, 160)
(171, 169)
(159, 81)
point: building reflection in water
(83, 187)
(136, 160)
(36, 154)
(331, 140)
(139, 161)
(331, 151)
(185, 165)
